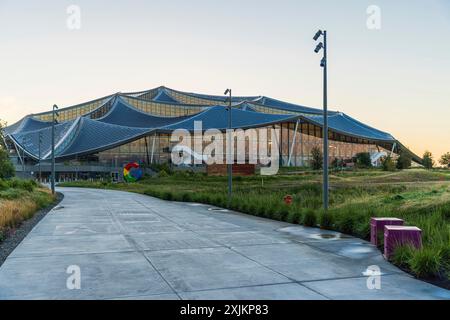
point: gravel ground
(14, 239)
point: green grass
(420, 197)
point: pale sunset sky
(396, 79)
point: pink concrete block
(377, 227)
(395, 236)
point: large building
(98, 137)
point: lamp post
(324, 64)
(40, 143)
(229, 150)
(55, 115)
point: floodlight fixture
(317, 35)
(319, 47)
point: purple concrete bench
(377, 227)
(395, 236)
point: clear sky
(396, 79)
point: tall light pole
(229, 150)
(324, 64)
(55, 115)
(40, 143)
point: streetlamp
(40, 143)
(55, 114)
(229, 150)
(323, 64)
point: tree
(6, 167)
(2, 126)
(404, 160)
(317, 159)
(445, 159)
(363, 160)
(388, 164)
(428, 161)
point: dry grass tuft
(13, 212)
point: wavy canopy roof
(217, 118)
(123, 123)
(343, 124)
(123, 114)
(27, 124)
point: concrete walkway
(130, 246)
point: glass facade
(150, 149)
(188, 99)
(74, 112)
(157, 148)
(162, 109)
(309, 136)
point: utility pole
(324, 65)
(230, 145)
(55, 115)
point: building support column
(18, 153)
(153, 148)
(293, 142)
(301, 146)
(393, 148)
(146, 150)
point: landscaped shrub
(3, 185)
(26, 185)
(428, 161)
(167, 195)
(252, 209)
(345, 222)
(363, 160)
(445, 160)
(11, 194)
(426, 262)
(163, 174)
(445, 260)
(402, 256)
(388, 164)
(186, 197)
(317, 158)
(404, 161)
(361, 228)
(283, 213)
(41, 198)
(6, 167)
(161, 167)
(291, 217)
(310, 218)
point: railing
(88, 167)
